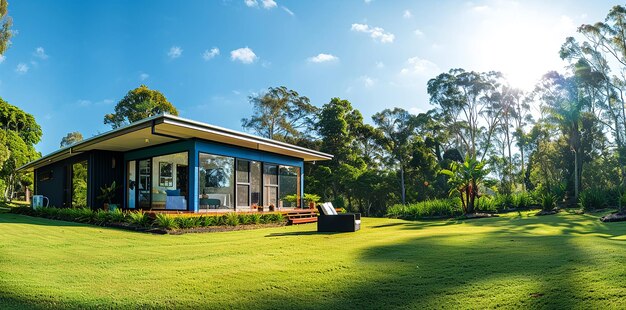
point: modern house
(167, 162)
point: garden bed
(140, 221)
(614, 217)
(547, 212)
(476, 216)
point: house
(167, 162)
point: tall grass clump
(165, 221)
(139, 218)
(592, 199)
(485, 204)
(548, 201)
(429, 208)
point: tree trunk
(402, 184)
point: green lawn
(560, 261)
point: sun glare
(521, 45)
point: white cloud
(175, 52)
(407, 14)
(143, 76)
(251, 3)
(269, 4)
(380, 65)
(418, 33)
(321, 57)
(210, 54)
(367, 81)
(481, 8)
(421, 67)
(376, 33)
(245, 55)
(290, 12)
(21, 68)
(40, 53)
(2, 58)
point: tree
(338, 126)
(138, 104)
(464, 179)
(397, 127)
(20, 133)
(5, 26)
(71, 138)
(280, 114)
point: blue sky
(71, 61)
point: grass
(514, 261)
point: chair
(330, 221)
(209, 203)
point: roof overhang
(166, 128)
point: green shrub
(503, 202)
(548, 201)
(102, 217)
(485, 204)
(139, 218)
(165, 221)
(84, 215)
(429, 208)
(232, 219)
(208, 221)
(117, 216)
(255, 218)
(592, 199)
(188, 222)
(245, 219)
(521, 200)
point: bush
(188, 222)
(521, 200)
(208, 221)
(485, 204)
(102, 217)
(255, 218)
(232, 219)
(429, 208)
(139, 218)
(592, 199)
(245, 219)
(117, 216)
(165, 221)
(548, 201)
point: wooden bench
(303, 220)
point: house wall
(100, 172)
(237, 152)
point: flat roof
(164, 128)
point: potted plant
(108, 195)
(312, 200)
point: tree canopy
(280, 114)
(138, 104)
(5, 26)
(71, 138)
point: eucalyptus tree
(5, 26)
(469, 105)
(139, 103)
(280, 114)
(71, 138)
(398, 129)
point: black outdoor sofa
(331, 221)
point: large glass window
(79, 184)
(132, 184)
(216, 181)
(243, 183)
(270, 184)
(144, 183)
(256, 183)
(170, 181)
(289, 180)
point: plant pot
(113, 206)
(105, 207)
(311, 205)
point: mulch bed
(181, 231)
(543, 212)
(476, 216)
(614, 217)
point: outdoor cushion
(173, 192)
(331, 208)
